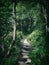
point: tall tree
(14, 26)
(14, 16)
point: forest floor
(24, 59)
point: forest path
(24, 59)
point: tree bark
(14, 23)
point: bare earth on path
(25, 53)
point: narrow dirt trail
(24, 59)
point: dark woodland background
(32, 21)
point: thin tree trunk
(14, 28)
(45, 16)
(14, 25)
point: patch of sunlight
(35, 32)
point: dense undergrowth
(37, 53)
(30, 22)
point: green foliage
(36, 37)
(30, 22)
(37, 52)
(15, 49)
(37, 40)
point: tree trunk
(14, 23)
(14, 29)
